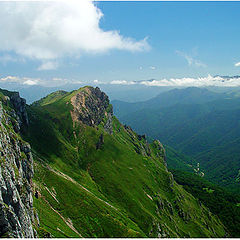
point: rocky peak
(19, 105)
(90, 105)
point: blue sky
(183, 39)
(206, 31)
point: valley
(203, 125)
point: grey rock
(16, 172)
(19, 105)
(89, 106)
(161, 151)
(108, 125)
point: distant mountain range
(199, 123)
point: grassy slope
(110, 192)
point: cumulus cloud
(237, 64)
(190, 60)
(49, 30)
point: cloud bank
(37, 81)
(52, 29)
(218, 81)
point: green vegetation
(119, 189)
(220, 201)
(50, 98)
(197, 123)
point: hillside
(207, 132)
(95, 177)
(221, 202)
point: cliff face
(16, 171)
(90, 106)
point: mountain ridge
(200, 130)
(101, 179)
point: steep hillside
(221, 202)
(206, 132)
(17, 216)
(95, 177)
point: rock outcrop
(16, 172)
(90, 106)
(161, 152)
(19, 105)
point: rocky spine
(16, 172)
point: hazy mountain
(201, 124)
(130, 93)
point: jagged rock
(89, 106)
(1, 111)
(19, 105)
(140, 137)
(108, 125)
(161, 152)
(158, 231)
(16, 172)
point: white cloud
(9, 79)
(48, 82)
(20, 80)
(30, 82)
(49, 65)
(49, 30)
(122, 82)
(190, 60)
(173, 82)
(237, 64)
(152, 67)
(195, 82)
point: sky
(151, 43)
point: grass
(125, 179)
